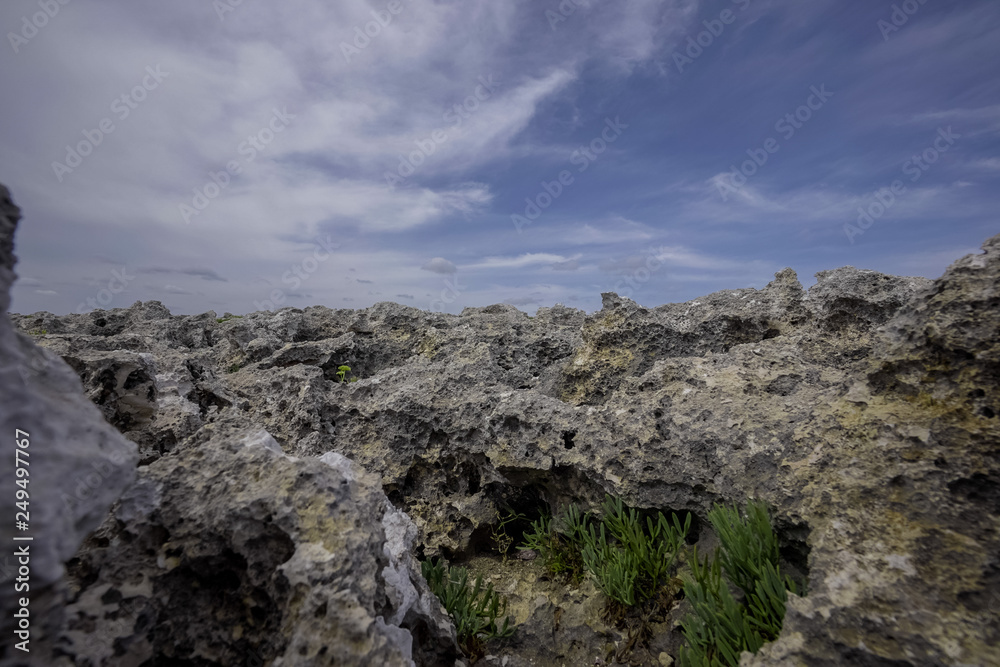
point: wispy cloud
(505, 97)
(521, 261)
(204, 274)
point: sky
(245, 155)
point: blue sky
(238, 157)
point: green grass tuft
(631, 562)
(720, 627)
(475, 612)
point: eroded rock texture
(864, 411)
(70, 467)
(230, 552)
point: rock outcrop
(864, 411)
(230, 552)
(63, 467)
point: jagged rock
(77, 466)
(863, 411)
(230, 552)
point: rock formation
(272, 511)
(228, 552)
(63, 467)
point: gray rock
(77, 466)
(864, 411)
(230, 552)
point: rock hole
(793, 546)
(135, 378)
(567, 438)
(980, 489)
(111, 596)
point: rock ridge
(863, 410)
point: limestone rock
(864, 411)
(77, 466)
(229, 551)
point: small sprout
(342, 371)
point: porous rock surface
(227, 552)
(76, 465)
(863, 411)
(230, 552)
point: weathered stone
(76, 465)
(230, 552)
(864, 411)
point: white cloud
(521, 261)
(439, 265)
(613, 230)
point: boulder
(63, 461)
(229, 552)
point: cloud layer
(446, 154)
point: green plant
(499, 532)
(559, 542)
(631, 564)
(747, 543)
(342, 371)
(474, 612)
(749, 557)
(37, 332)
(234, 367)
(220, 320)
(720, 628)
(636, 565)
